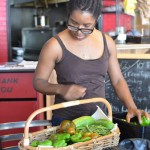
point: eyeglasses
(83, 30)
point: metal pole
(117, 13)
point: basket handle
(62, 105)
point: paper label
(99, 114)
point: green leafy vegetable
(104, 122)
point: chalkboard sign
(137, 74)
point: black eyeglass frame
(76, 29)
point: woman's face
(81, 24)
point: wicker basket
(106, 141)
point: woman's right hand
(72, 92)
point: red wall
(109, 19)
(109, 22)
(3, 32)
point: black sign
(137, 74)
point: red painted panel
(16, 85)
(109, 22)
(3, 3)
(107, 3)
(3, 29)
(11, 111)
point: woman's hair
(91, 6)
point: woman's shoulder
(111, 44)
(108, 38)
(53, 41)
(109, 41)
(101, 35)
(52, 47)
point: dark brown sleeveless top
(87, 73)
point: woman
(81, 56)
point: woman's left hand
(138, 113)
